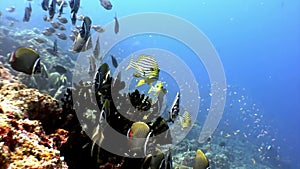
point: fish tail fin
(141, 82)
(131, 63)
(150, 90)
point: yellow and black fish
(138, 136)
(185, 120)
(25, 60)
(201, 161)
(157, 89)
(146, 68)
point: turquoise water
(257, 43)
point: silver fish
(61, 36)
(62, 20)
(106, 4)
(50, 29)
(10, 9)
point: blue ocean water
(258, 45)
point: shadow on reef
(89, 107)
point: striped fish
(146, 68)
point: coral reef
(29, 133)
(33, 104)
(24, 144)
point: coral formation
(25, 115)
(33, 104)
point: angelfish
(25, 60)
(83, 37)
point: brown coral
(33, 104)
(25, 115)
(24, 144)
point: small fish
(72, 37)
(157, 88)
(39, 40)
(46, 33)
(61, 8)
(62, 36)
(0, 13)
(80, 17)
(62, 27)
(25, 60)
(96, 49)
(44, 71)
(45, 18)
(98, 28)
(10, 9)
(101, 76)
(75, 32)
(200, 161)
(27, 14)
(88, 45)
(45, 5)
(11, 23)
(146, 68)
(74, 5)
(106, 4)
(55, 24)
(78, 27)
(62, 20)
(98, 131)
(73, 18)
(167, 163)
(185, 120)
(116, 24)
(55, 46)
(174, 111)
(51, 9)
(60, 69)
(50, 29)
(157, 158)
(63, 2)
(114, 61)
